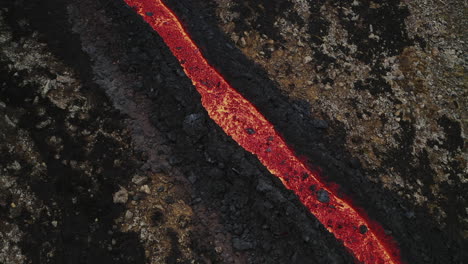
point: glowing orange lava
(249, 128)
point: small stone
(174, 160)
(15, 211)
(64, 79)
(139, 180)
(194, 125)
(307, 59)
(354, 162)
(192, 178)
(321, 124)
(268, 205)
(243, 43)
(218, 250)
(145, 188)
(169, 200)
(263, 186)
(14, 166)
(234, 37)
(49, 84)
(54, 223)
(157, 217)
(410, 214)
(128, 215)
(139, 196)
(9, 121)
(121, 196)
(241, 245)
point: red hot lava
(249, 128)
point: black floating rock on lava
(322, 196)
(363, 229)
(312, 187)
(250, 131)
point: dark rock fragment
(410, 214)
(139, 196)
(121, 196)
(194, 125)
(363, 229)
(250, 131)
(322, 196)
(321, 124)
(264, 186)
(354, 162)
(139, 180)
(157, 217)
(169, 200)
(241, 245)
(174, 160)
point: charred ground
(206, 200)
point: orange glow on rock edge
(248, 127)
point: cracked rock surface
(107, 156)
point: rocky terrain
(107, 156)
(390, 74)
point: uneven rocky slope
(107, 156)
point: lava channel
(364, 238)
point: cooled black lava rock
(241, 245)
(321, 124)
(250, 131)
(363, 229)
(322, 196)
(194, 125)
(157, 218)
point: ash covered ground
(107, 155)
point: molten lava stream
(249, 128)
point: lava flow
(249, 128)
